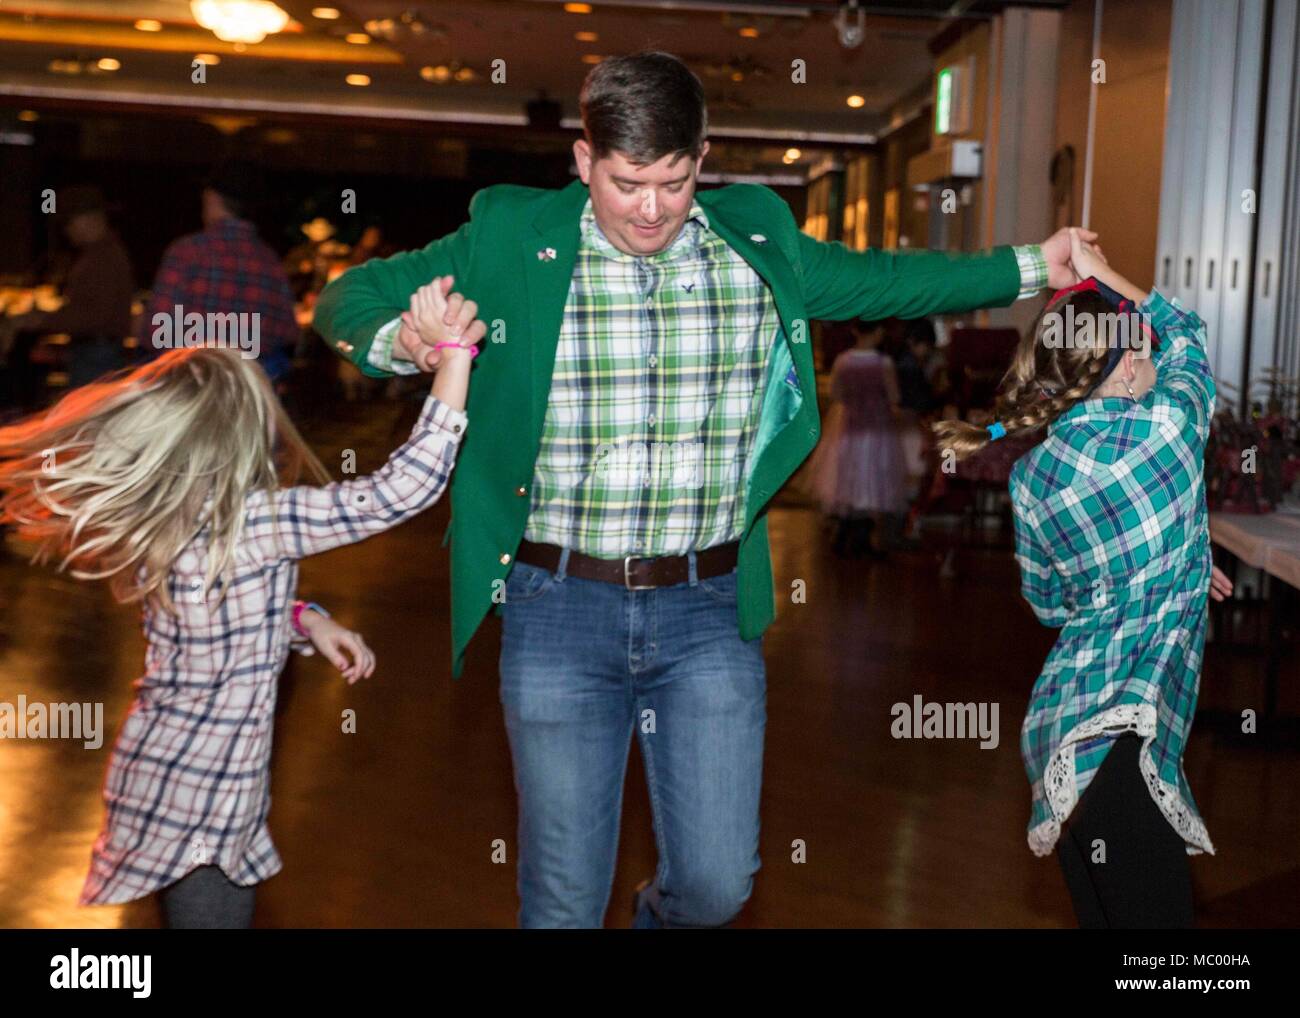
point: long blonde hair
(1044, 380)
(116, 477)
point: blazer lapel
(753, 241)
(549, 250)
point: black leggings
(206, 899)
(1145, 881)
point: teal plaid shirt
(1112, 539)
(655, 394)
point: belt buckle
(627, 579)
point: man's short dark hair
(239, 185)
(645, 106)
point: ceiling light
(791, 154)
(325, 13)
(856, 101)
(29, 116)
(239, 20)
(578, 8)
(148, 25)
(357, 38)
(749, 33)
(207, 58)
(439, 73)
(585, 36)
(360, 80)
(109, 64)
(591, 58)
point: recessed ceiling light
(591, 58)
(325, 13)
(856, 101)
(29, 116)
(148, 25)
(207, 58)
(439, 73)
(108, 64)
(578, 8)
(360, 80)
(357, 38)
(749, 33)
(791, 154)
(585, 36)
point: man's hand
(1056, 252)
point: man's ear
(582, 156)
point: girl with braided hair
(1112, 539)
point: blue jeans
(584, 664)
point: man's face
(627, 198)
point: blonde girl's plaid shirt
(1112, 540)
(656, 393)
(188, 783)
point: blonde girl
(170, 482)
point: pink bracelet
(473, 350)
(298, 608)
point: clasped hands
(437, 315)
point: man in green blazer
(646, 387)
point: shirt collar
(689, 238)
(1097, 408)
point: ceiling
(477, 63)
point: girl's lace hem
(1061, 790)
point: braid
(1041, 384)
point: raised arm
(1182, 365)
(841, 283)
(306, 520)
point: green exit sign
(943, 102)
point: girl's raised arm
(309, 520)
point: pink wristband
(473, 350)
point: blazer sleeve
(356, 305)
(841, 283)
(1040, 583)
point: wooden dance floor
(394, 826)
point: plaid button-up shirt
(226, 269)
(655, 396)
(656, 393)
(1112, 539)
(189, 779)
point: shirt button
(521, 490)
(455, 427)
(651, 420)
(505, 559)
(654, 361)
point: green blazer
(497, 260)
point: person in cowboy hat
(96, 310)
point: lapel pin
(758, 238)
(546, 254)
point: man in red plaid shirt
(225, 269)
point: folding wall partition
(1229, 231)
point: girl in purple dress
(858, 474)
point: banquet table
(1269, 542)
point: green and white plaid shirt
(656, 394)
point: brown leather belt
(632, 572)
